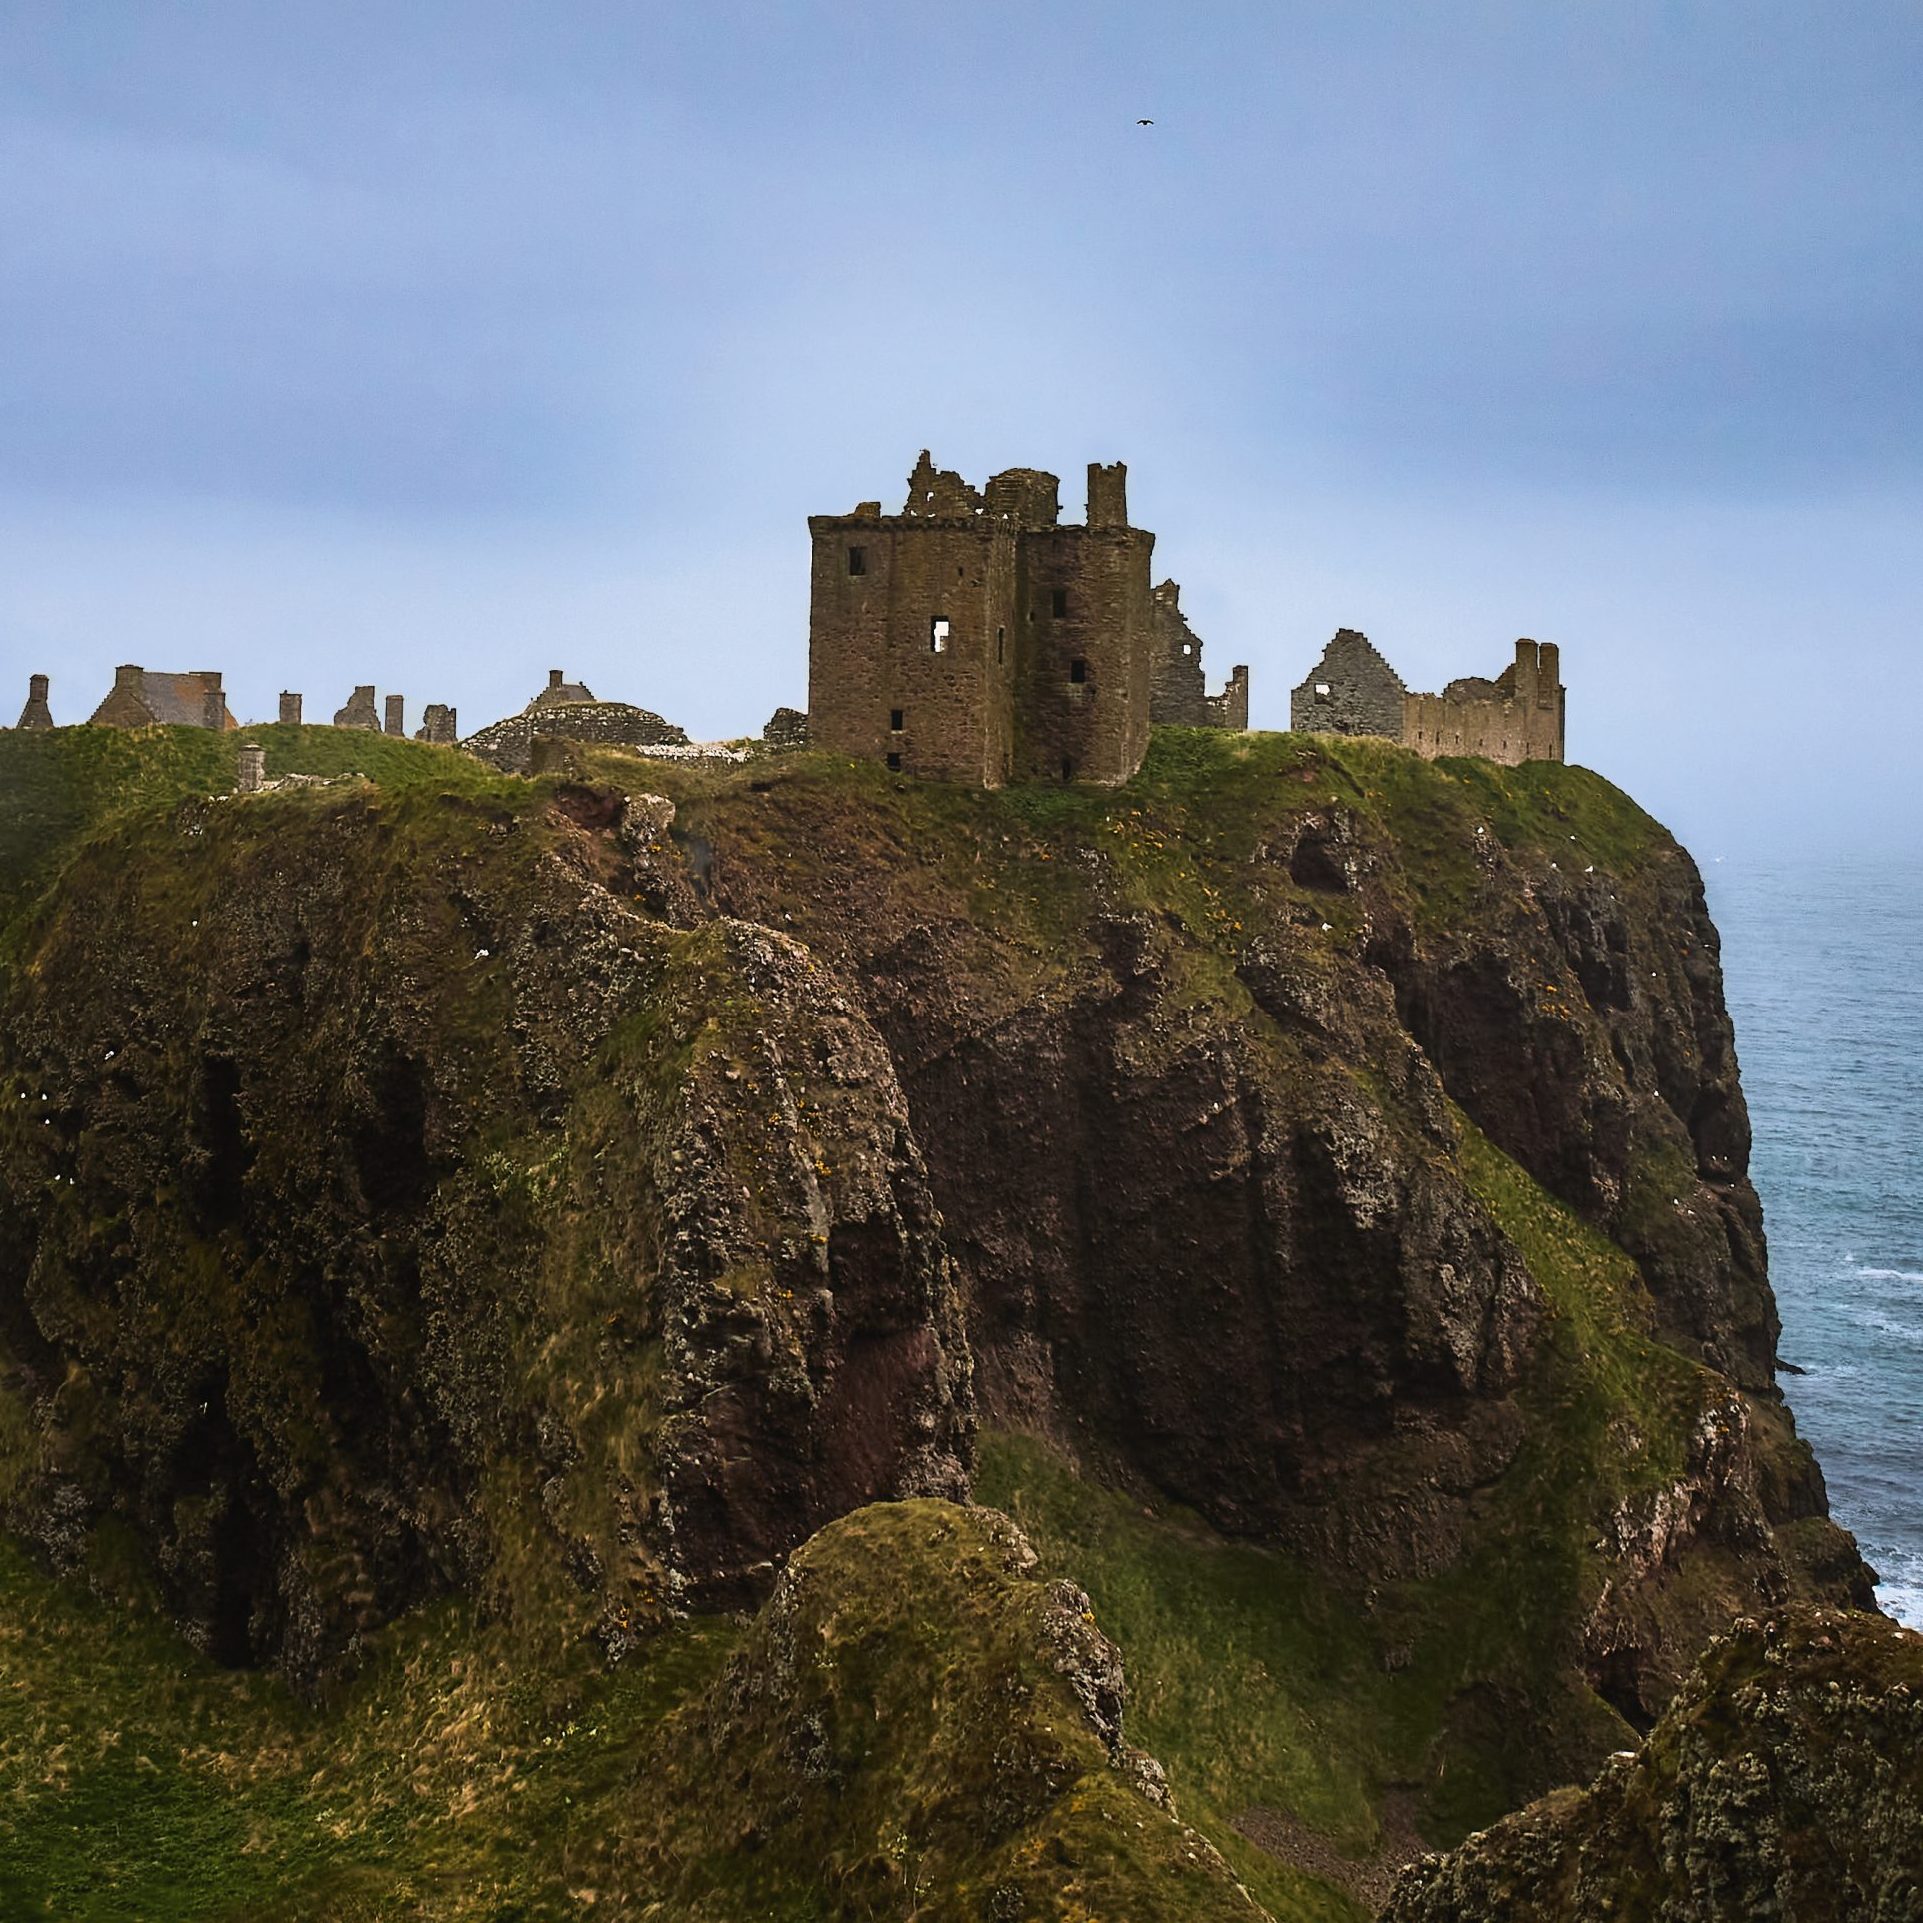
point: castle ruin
(977, 637)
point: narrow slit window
(1058, 603)
(1001, 643)
(1078, 672)
(938, 635)
(895, 719)
(857, 560)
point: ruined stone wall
(1520, 717)
(1178, 691)
(1230, 708)
(1351, 690)
(360, 711)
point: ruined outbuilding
(1517, 717)
(976, 637)
(36, 715)
(143, 698)
(567, 710)
(1178, 693)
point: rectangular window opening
(1058, 603)
(1078, 672)
(938, 635)
(895, 719)
(857, 560)
(1001, 642)
(894, 762)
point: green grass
(139, 1783)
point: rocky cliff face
(1785, 1780)
(577, 1196)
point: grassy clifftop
(458, 1228)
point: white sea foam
(1889, 1325)
(1903, 1600)
(1891, 1275)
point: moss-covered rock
(1784, 1780)
(917, 1724)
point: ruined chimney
(213, 704)
(555, 678)
(397, 714)
(36, 714)
(1107, 494)
(289, 709)
(252, 775)
(128, 678)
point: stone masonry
(1178, 693)
(36, 714)
(568, 710)
(438, 725)
(145, 698)
(289, 710)
(1351, 690)
(1517, 717)
(360, 711)
(977, 638)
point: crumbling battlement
(1517, 717)
(1178, 691)
(975, 637)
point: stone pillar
(397, 714)
(253, 770)
(289, 709)
(213, 704)
(555, 679)
(36, 714)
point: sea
(1823, 966)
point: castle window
(895, 719)
(1078, 672)
(857, 560)
(1058, 603)
(1068, 769)
(1001, 639)
(894, 762)
(1187, 648)
(938, 635)
(1322, 691)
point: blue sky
(436, 345)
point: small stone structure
(289, 710)
(1351, 690)
(144, 698)
(36, 715)
(787, 728)
(251, 775)
(1178, 694)
(567, 710)
(360, 711)
(438, 725)
(397, 714)
(1517, 717)
(977, 638)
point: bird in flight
(1145, 123)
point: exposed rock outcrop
(1785, 1780)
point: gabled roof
(1351, 652)
(560, 694)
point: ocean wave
(1891, 1275)
(1903, 1600)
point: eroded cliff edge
(573, 1192)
